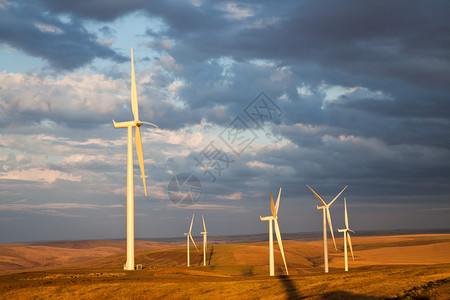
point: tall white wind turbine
(326, 215)
(136, 123)
(204, 241)
(274, 217)
(346, 237)
(188, 235)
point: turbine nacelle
(131, 124)
(345, 229)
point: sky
(248, 96)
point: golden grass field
(385, 267)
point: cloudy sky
(248, 96)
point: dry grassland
(393, 267)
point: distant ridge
(303, 236)
(254, 238)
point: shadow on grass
(293, 293)
(342, 295)
(210, 255)
(289, 286)
(208, 259)
(248, 272)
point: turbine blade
(192, 221)
(193, 242)
(318, 197)
(350, 244)
(280, 244)
(204, 226)
(346, 216)
(337, 195)
(134, 104)
(277, 205)
(331, 227)
(148, 123)
(140, 155)
(272, 206)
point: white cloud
(39, 175)
(304, 89)
(53, 209)
(48, 28)
(236, 11)
(174, 86)
(169, 64)
(212, 207)
(78, 160)
(333, 93)
(20, 206)
(371, 147)
(196, 2)
(190, 138)
(258, 164)
(76, 95)
(234, 196)
(4, 4)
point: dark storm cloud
(103, 10)
(412, 115)
(401, 39)
(107, 31)
(385, 135)
(407, 40)
(65, 46)
(399, 48)
(351, 43)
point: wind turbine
(274, 217)
(188, 235)
(326, 207)
(346, 236)
(204, 241)
(136, 123)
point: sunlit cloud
(233, 197)
(48, 28)
(52, 209)
(39, 175)
(211, 207)
(237, 11)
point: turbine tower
(326, 215)
(274, 217)
(136, 123)
(346, 236)
(188, 235)
(204, 241)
